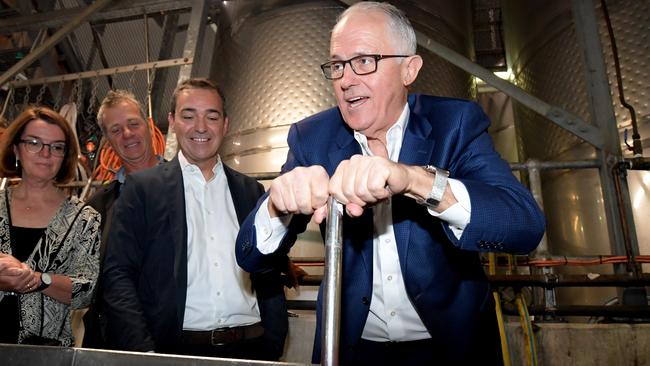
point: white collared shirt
(219, 292)
(392, 316)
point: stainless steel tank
(547, 61)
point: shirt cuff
(269, 231)
(458, 215)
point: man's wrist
(428, 185)
(420, 182)
(273, 212)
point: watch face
(46, 278)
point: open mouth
(356, 101)
(131, 145)
(200, 139)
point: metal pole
(535, 180)
(602, 112)
(547, 295)
(146, 59)
(53, 40)
(332, 285)
(567, 164)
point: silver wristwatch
(432, 200)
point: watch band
(432, 200)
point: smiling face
(128, 133)
(200, 126)
(43, 165)
(371, 103)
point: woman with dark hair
(49, 243)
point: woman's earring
(17, 164)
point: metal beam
(602, 112)
(557, 115)
(192, 49)
(102, 72)
(52, 41)
(569, 280)
(618, 311)
(119, 10)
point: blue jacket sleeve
(248, 256)
(504, 215)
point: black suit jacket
(145, 267)
(94, 322)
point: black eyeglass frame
(28, 142)
(377, 58)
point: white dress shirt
(219, 292)
(392, 316)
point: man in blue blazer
(424, 193)
(171, 283)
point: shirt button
(211, 237)
(387, 241)
(218, 293)
(389, 277)
(393, 313)
(220, 321)
(216, 264)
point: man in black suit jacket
(171, 283)
(125, 128)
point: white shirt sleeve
(458, 215)
(269, 231)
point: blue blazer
(145, 267)
(443, 275)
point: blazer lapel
(238, 192)
(343, 148)
(178, 228)
(417, 148)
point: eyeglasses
(361, 65)
(35, 146)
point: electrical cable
(505, 350)
(636, 148)
(527, 327)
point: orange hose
(110, 163)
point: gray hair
(399, 26)
(115, 97)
